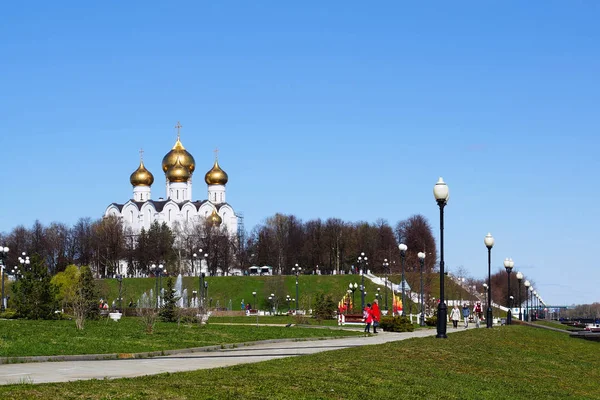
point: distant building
(178, 166)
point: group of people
(372, 316)
(456, 314)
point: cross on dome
(178, 126)
(141, 154)
(216, 150)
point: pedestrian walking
(376, 315)
(477, 313)
(465, 313)
(368, 317)
(455, 316)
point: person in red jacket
(376, 315)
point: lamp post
(3, 254)
(206, 291)
(353, 289)
(527, 285)
(362, 260)
(386, 266)
(421, 256)
(441, 194)
(508, 264)
(296, 270)
(531, 303)
(402, 247)
(120, 280)
(534, 305)
(24, 261)
(489, 243)
(485, 289)
(519, 279)
(201, 291)
(256, 307)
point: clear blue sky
(320, 109)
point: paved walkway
(99, 369)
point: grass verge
(45, 338)
(514, 362)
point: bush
(8, 314)
(396, 324)
(431, 321)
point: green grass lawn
(43, 338)
(276, 319)
(514, 362)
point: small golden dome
(214, 219)
(141, 176)
(178, 152)
(216, 176)
(178, 172)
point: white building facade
(178, 166)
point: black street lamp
(201, 291)
(530, 303)
(519, 279)
(120, 280)
(3, 254)
(296, 270)
(441, 194)
(527, 285)
(362, 261)
(508, 264)
(534, 304)
(386, 266)
(421, 256)
(24, 261)
(402, 247)
(206, 292)
(353, 289)
(489, 243)
(255, 307)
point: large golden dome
(178, 152)
(216, 176)
(141, 176)
(215, 219)
(178, 172)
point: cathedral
(178, 166)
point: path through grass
(515, 362)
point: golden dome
(216, 176)
(178, 152)
(178, 172)
(141, 176)
(214, 219)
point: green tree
(168, 311)
(34, 293)
(324, 307)
(66, 282)
(88, 291)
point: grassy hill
(226, 289)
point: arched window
(131, 216)
(169, 215)
(187, 215)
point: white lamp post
(421, 256)
(489, 243)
